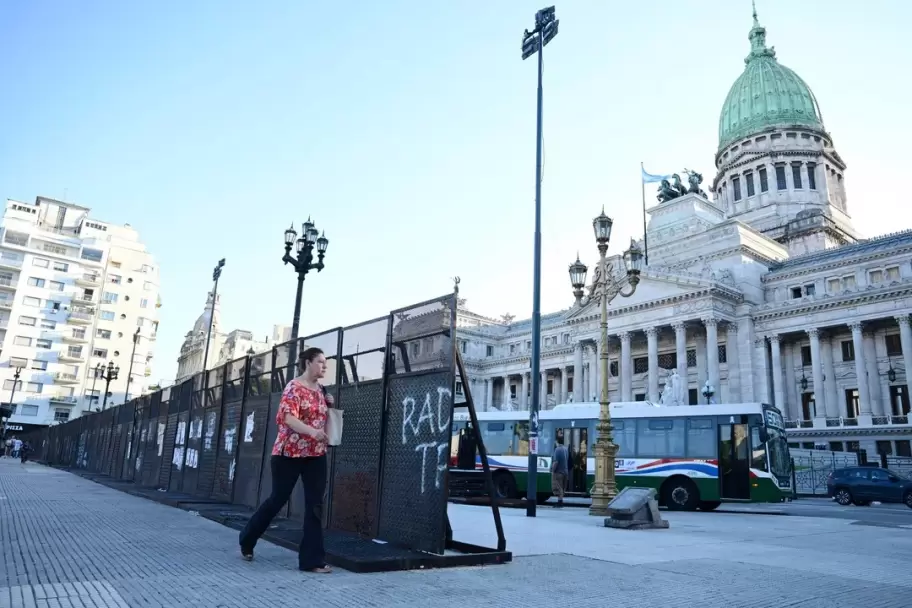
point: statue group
(674, 393)
(669, 190)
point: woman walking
(299, 451)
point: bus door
(576, 440)
(734, 459)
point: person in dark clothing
(559, 471)
(299, 451)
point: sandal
(247, 556)
(324, 569)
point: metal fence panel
(191, 477)
(813, 466)
(254, 422)
(168, 418)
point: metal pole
(645, 238)
(295, 322)
(532, 483)
(94, 381)
(12, 405)
(107, 378)
(211, 317)
(605, 487)
(133, 356)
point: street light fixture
(12, 410)
(578, 278)
(311, 240)
(216, 273)
(606, 287)
(136, 337)
(708, 392)
(534, 42)
(107, 374)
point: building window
(736, 188)
(109, 297)
(892, 273)
(903, 448)
(147, 286)
(114, 278)
(692, 357)
(106, 315)
(796, 175)
(18, 362)
(764, 182)
(61, 415)
(780, 178)
(885, 447)
(723, 353)
(749, 182)
(61, 266)
(8, 385)
(875, 277)
(16, 238)
(22, 341)
(834, 285)
(668, 360)
(41, 343)
(489, 350)
(144, 303)
(810, 290)
(56, 286)
(806, 356)
(39, 365)
(639, 397)
(796, 293)
(31, 301)
(28, 321)
(92, 255)
(34, 387)
(848, 350)
(851, 400)
(893, 344)
(640, 365)
(28, 410)
(812, 175)
(35, 282)
(613, 369)
(41, 262)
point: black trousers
(285, 473)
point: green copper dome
(767, 94)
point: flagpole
(643, 191)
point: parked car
(862, 485)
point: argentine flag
(649, 178)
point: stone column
(870, 353)
(652, 348)
(489, 394)
(524, 396)
(835, 406)
(626, 367)
(864, 396)
(778, 392)
(821, 405)
(905, 339)
(563, 384)
(543, 396)
(712, 354)
(506, 393)
(578, 373)
(733, 361)
(760, 368)
(592, 388)
(596, 370)
(792, 397)
(681, 348)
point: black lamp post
(216, 273)
(12, 405)
(107, 374)
(132, 356)
(302, 263)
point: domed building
(761, 291)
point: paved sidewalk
(68, 542)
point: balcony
(7, 283)
(81, 315)
(82, 301)
(76, 336)
(65, 378)
(71, 355)
(6, 304)
(10, 263)
(88, 279)
(64, 400)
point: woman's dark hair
(308, 355)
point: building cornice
(726, 294)
(816, 304)
(887, 246)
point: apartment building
(76, 294)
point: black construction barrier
(205, 444)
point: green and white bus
(694, 456)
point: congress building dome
(767, 94)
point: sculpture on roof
(666, 192)
(695, 179)
(507, 318)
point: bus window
(758, 450)
(497, 437)
(701, 438)
(660, 437)
(625, 437)
(546, 438)
(520, 444)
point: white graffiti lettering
(427, 414)
(181, 432)
(231, 469)
(210, 431)
(192, 458)
(442, 449)
(230, 434)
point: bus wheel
(709, 505)
(680, 494)
(504, 485)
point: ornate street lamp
(216, 274)
(107, 374)
(891, 373)
(302, 263)
(578, 278)
(708, 392)
(7, 415)
(606, 287)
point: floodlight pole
(534, 42)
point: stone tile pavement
(68, 542)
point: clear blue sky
(406, 129)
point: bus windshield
(777, 447)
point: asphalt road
(876, 515)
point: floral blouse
(308, 406)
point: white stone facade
(73, 292)
(766, 292)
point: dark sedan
(863, 485)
